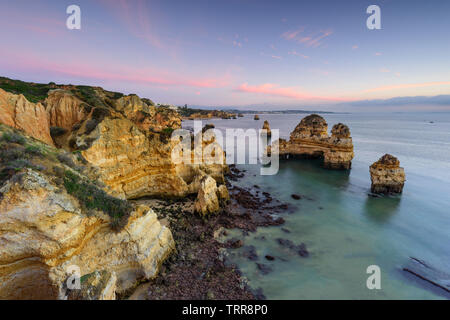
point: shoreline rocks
(387, 176)
(256, 117)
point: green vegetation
(13, 138)
(93, 198)
(34, 92)
(187, 112)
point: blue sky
(233, 53)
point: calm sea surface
(344, 229)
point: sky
(233, 53)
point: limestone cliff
(127, 138)
(17, 112)
(387, 176)
(53, 217)
(310, 139)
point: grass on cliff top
(93, 198)
(34, 92)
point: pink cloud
(410, 85)
(289, 92)
(84, 70)
(295, 53)
(313, 40)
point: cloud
(355, 47)
(310, 40)
(84, 70)
(295, 53)
(378, 53)
(385, 70)
(410, 85)
(271, 56)
(288, 92)
(140, 22)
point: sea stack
(266, 127)
(256, 117)
(387, 176)
(310, 139)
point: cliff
(310, 139)
(53, 217)
(127, 138)
(387, 176)
(17, 112)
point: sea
(344, 228)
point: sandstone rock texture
(310, 139)
(44, 231)
(127, 138)
(17, 112)
(387, 176)
(207, 199)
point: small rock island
(266, 127)
(387, 176)
(310, 139)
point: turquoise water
(343, 228)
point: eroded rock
(387, 176)
(310, 139)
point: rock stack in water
(310, 139)
(256, 117)
(266, 127)
(387, 176)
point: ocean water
(343, 228)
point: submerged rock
(387, 176)
(300, 249)
(310, 139)
(264, 268)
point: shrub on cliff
(93, 198)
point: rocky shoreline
(199, 269)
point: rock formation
(127, 138)
(207, 199)
(387, 176)
(256, 117)
(17, 112)
(310, 139)
(44, 231)
(266, 127)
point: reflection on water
(381, 209)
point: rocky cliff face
(310, 139)
(52, 217)
(17, 112)
(387, 176)
(126, 137)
